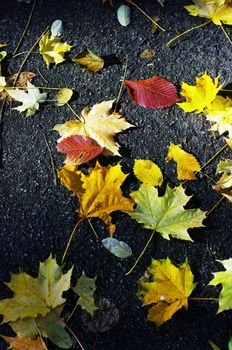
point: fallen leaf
(85, 288)
(225, 279)
(124, 15)
(229, 142)
(147, 54)
(118, 248)
(90, 61)
(224, 184)
(187, 164)
(30, 99)
(70, 177)
(52, 49)
(148, 172)
(79, 149)
(220, 113)
(56, 28)
(63, 96)
(219, 11)
(2, 56)
(152, 93)
(24, 343)
(168, 291)
(35, 296)
(22, 79)
(100, 124)
(166, 214)
(102, 194)
(201, 95)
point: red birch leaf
(152, 93)
(79, 149)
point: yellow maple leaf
(70, 177)
(187, 164)
(102, 194)
(99, 123)
(35, 296)
(219, 11)
(24, 343)
(200, 96)
(229, 142)
(224, 184)
(220, 113)
(52, 49)
(169, 290)
(148, 172)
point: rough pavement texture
(36, 217)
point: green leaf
(85, 289)
(118, 248)
(124, 16)
(230, 344)
(63, 96)
(225, 279)
(58, 335)
(89, 60)
(166, 214)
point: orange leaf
(24, 343)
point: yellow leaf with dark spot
(89, 60)
(187, 164)
(168, 291)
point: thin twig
(70, 239)
(145, 14)
(74, 335)
(25, 29)
(122, 84)
(141, 254)
(52, 162)
(72, 312)
(75, 114)
(95, 341)
(41, 76)
(204, 299)
(93, 229)
(187, 31)
(227, 36)
(40, 335)
(213, 157)
(215, 206)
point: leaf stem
(227, 36)
(204, 299)
(214, 156)
(72, 312)
(122, 84)
(40, 335)
(93, 229)
(25, 29)
(74, 335)
(215, 206)
(72, 110)
(141, 254)
(70, 240)
(145, 14)
(188, 31)
(52, 162)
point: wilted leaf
(187, 164)
(30, 99)
(219, 11)
(220, 113)
(90, 61)
(166, 214)
(169, 290)
(102, 194)
(79, 149)
(103, 319)
(63, 96)
(52, 49)
(124, 15)
(201, 95)
(35, 296)
(148, 172)
(225, 279)
(24, 343)
(70, 177)
(118, 248)
(100, 125)
(85, 289)
(152, 93)
(49, 326)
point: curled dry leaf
(187, 164)
(168, 291)
(89, 60)
(79, 149)
(152, 93)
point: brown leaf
(22, 80)
(147, 54)
(24, 343)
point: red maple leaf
(79, 149)
(152, 93)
